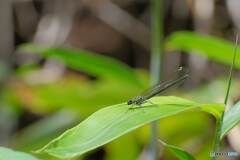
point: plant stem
(220, 121)
(156, 56)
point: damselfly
(155, 90)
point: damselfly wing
(157, 89)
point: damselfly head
(130, 102)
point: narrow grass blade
(219, 123)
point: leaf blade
(110, 123)
(9, 154)
(231, 119)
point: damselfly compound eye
(130, 102)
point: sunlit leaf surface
(111, 122)
(9, 154)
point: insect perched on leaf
(155, 90)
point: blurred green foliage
(93, 64)
(78, 94)
(213, 48)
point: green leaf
(215, 109)
(9, 154)
(83, 60)
(111, 122)
(76, 93)
(214, 48)
(178, 152)
(231, 119)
